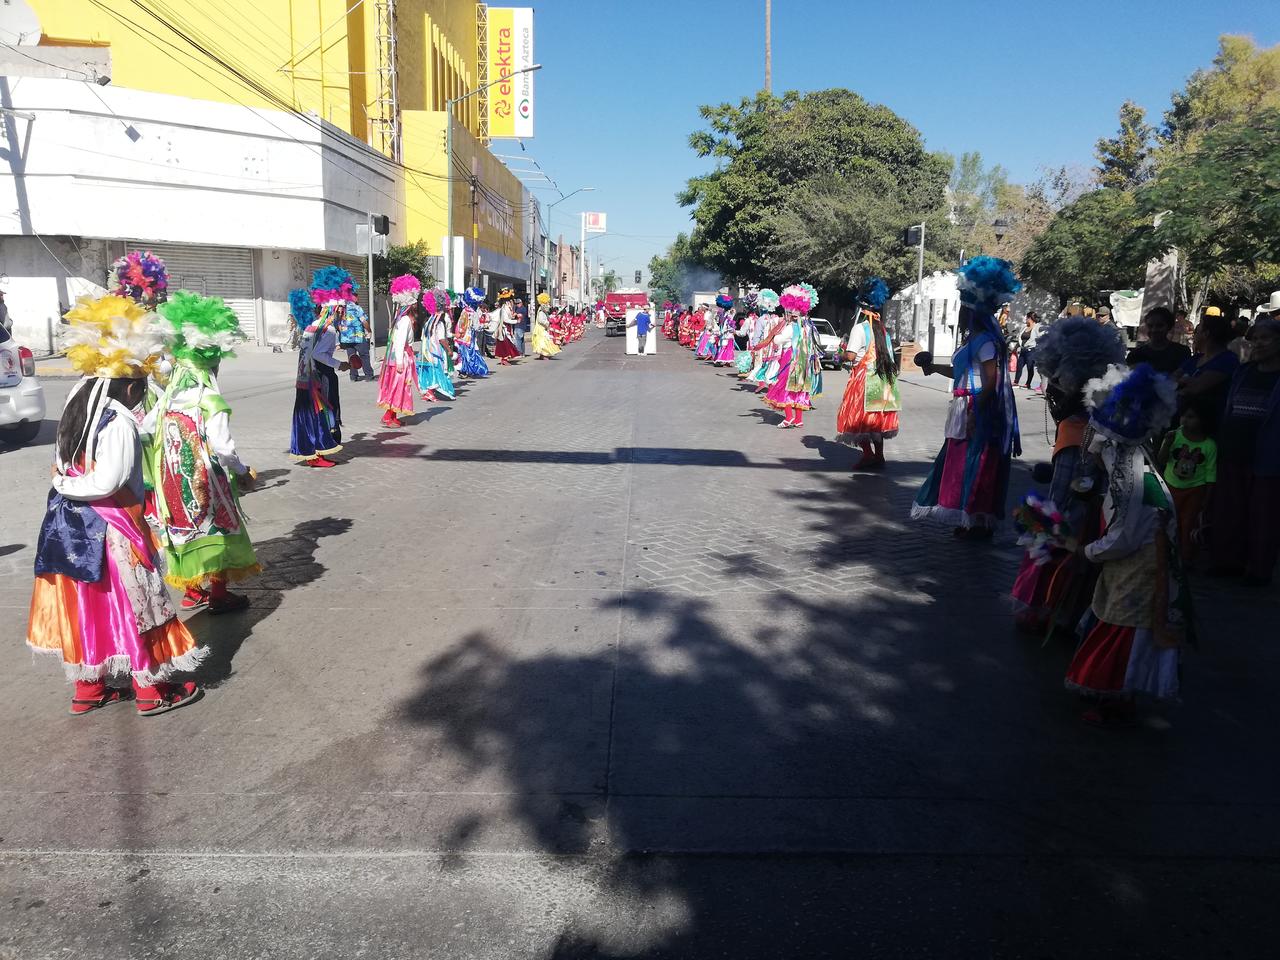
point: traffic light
(637, 276)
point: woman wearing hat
(543, 345)
(504, 347)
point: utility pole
(475, 226)
(533, 254)
(768, 46)
(582, 260)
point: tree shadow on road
(807, 775)
(287, 562)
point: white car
(829, 341)
(21, 395)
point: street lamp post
(448, 151)
(546, 253)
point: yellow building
(381, 71)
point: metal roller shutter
(355, 266)
(225, 272)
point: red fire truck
(616, 306)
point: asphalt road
(596, 662)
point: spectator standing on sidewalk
(1164, 355)
(354, 337)
(1244, 515)
(1027, 337)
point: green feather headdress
(205, 329)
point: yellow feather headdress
(113, 337)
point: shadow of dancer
(287, 562)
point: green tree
(1124, 161)
(406, 258)
(767, 149)
(667, 270)
(1079, 252)
(606, 283)
(976, 194)
(1244, 80)
(1217, 203)
(837, 231)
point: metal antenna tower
(482, 71)
(386, 118)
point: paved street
(595, 662)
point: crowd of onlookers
(1221, 459)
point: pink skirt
(725, 354)
(395, 389)
(779, 397)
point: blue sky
(1028, 84)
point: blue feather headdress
(768, 300)
(302, 307)
(472, 296)
(987, 282)
(1131, 406)
(724, 301)
(873, 293)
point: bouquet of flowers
(1043, 527)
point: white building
(241, 203)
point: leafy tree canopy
(1218, 203)
(1077, 255)
(405, 258)
(1243, 80)
(777, 154)
(1124, 161)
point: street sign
(594, 223)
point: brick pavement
(597, 662)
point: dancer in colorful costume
(1140, 617)
(466, 330)
(400, 368)
(99, 599)
(505, 348)
(1054, 582)
(141, 277)
(868, 413)
(317, 409)
(669, 320)
(727, 328)
(799, 372)
(434, 381)
(707, 333)
(969, 481)
(193, 457)
(543, 345)
(763, 357)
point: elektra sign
(510, 37)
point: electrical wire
(55, 66)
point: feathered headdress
(768, 300)
(873, 294)
(724, 301)
(544, 298)
(430, 303)
(795, 297)
(1075, 350)
(473, 296)
(112, 337)
(405, 289)
(333, 284)
(987, 282)
(141, 276)
(812, 291)
(204, 328)
(1131, 406)
(302, 307)
(506, 293)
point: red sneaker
(319, 462)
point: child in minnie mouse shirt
(1190, 459)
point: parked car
(21, 395)
(829, 341)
